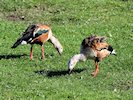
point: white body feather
(23, 42)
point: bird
(38, 34)
(92, 47)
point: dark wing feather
(17, 43)
(92, 40)
(30, 29)
(40, 32)
(25, 36)
(87, 42)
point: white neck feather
(76, 58)
(56, 44)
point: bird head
(59, 49)
(71, 63)
(112, 51)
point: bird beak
(113, 52)
(58, 51)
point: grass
(71, 22)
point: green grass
(71, 22)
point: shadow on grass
(57, 73)
(11, 56)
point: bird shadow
(11, 56)
(57, 73)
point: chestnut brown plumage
(38, 34)
(92, 47)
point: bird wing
(30, 29)
(38, 32)
(26, 36)
(95, 42)
(99, 43)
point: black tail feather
(18, 42)
(25, 36)
(30, 29)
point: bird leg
(96, 70)
(42, 48)
(31, 52)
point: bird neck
(79, 57)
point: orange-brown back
(95, 42)
(44, 37)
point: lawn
(71, 21)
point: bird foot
(94, 74)
(31, 58)
(43, 57)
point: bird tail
(56, 44)
(18, 42)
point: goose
(92, 47)
(38, 34)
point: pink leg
(42, 47)
(96, 70)
(31, 52)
